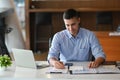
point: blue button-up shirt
(68, 48)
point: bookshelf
(87, 9)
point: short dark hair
(70, 13)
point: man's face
(72, 25)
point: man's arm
(55, 63)
(96, 63)
(53, 54)
(97, 52)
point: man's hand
(93, 64)
(96, 63)
(57, 64)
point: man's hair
(70, 13)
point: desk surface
(14, 72)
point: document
(108, 69)
(82, 70)
(118, 64)
(114, 33)
(104, 69)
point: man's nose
(70, 27)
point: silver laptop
(25, 58)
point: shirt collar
(70, 36)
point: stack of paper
(104, 69)
(108, 69)
(81, 70)
(114, 34)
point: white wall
(15, 38)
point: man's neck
(74, 35)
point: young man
(74, 43)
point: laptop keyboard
(39, 66)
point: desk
(110, 44)
(26, 73)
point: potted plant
(5, 61)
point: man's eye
(67, 25)
(73, 24)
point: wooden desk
(110, 44)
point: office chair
(104, 21)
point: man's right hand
(57, 64)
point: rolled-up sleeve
(54, 49)
(96, 48)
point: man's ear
(79, 19)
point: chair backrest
(50, 41)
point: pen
(55, 72)
(68, 67)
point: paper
(108, 69)
(118, 63)
(104, 69)
(81, 70)
(114, 34)
(76, 68)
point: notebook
(103, 69)
(82, 70)
(25, 58)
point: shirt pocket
(83, 54)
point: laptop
(25, 58)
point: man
(74, 44)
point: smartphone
(68, 64)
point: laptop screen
(24, 58)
